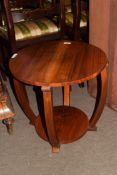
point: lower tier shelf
(70, 124)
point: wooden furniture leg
(9, 124)
(48, 108)
(67, 95)
(100, 100)
(23, 100)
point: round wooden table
(54, 64)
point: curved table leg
(100, 99)
(48, 108)
(23, 100)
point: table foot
(55, 150)
(92, 128)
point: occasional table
(60, 64)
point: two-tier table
(54, 64)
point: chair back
(76, 10)
(14, 12)
(77, 19)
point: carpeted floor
(24, 153)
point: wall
(103, 33)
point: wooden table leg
(66, 95)
(23, 100)
(48, 109)
(100, 100)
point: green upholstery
(69, 15)
(30, 29)
(3, 32)
(68, 8)
(69, 19)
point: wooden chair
(6, 108)
(77, 19)
(28, 22)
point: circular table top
(58, 63)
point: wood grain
(58, 64)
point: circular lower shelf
(70, 123)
